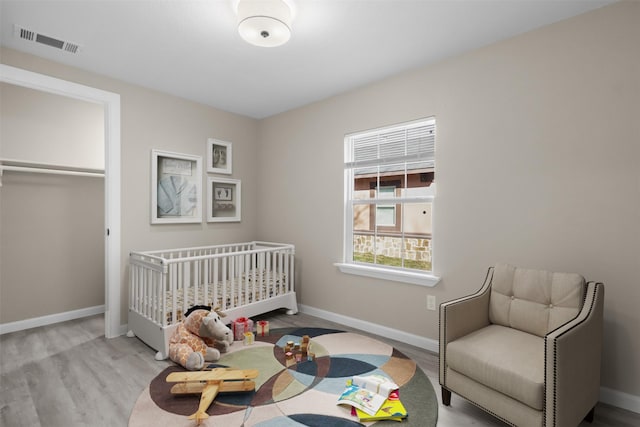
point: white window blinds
(412, 144)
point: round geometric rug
(301, 394)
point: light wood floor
(68, 375)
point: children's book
(360, 398)
(390, 410)
(367, 394)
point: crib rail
(166, 283)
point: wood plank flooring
(68, 375)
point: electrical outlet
(431, 302)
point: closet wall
(51, 226)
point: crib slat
(291, 276)
(147, 288)
(184, 283)
(134, 300)
(283, 275)
(163, 282)
(224, 284)
(232, 281)
(173, 280)
(153, 293)
(267, 279)
(196, 283)
(279, 273)
(261, 263)
(205, 280)
(215, 283)
(133, 287)
(249, 285)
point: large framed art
(176, 188)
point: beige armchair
(526, 347)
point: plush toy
(200, 337)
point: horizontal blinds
(393, 148)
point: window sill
(420, 279)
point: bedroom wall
(51, 226)
(151, 119)
(538, 164)
(48, 128)
(51, 245)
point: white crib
(243, 279)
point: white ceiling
(190, 48)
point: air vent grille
(71, 47)
(49, 41)
(33, 36)
(27, 35)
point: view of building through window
(391, 188)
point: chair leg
(590, 415)
(446, 397)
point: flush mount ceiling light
(264, 23)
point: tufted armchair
(526, 347)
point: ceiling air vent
(32, 36)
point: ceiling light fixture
(264, 23)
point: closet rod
(49, 171)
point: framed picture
(176, 188)
(225, 197)
(219, 156)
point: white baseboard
(384, 331)
(609, 396)
(21, 325)
(620, 399)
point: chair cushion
(504, 359)
(534, 301)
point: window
(390, 190)
(386, 214)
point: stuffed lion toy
(199, 338)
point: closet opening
(63, 199)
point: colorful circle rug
(290, 394)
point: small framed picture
(225, 200)
(176, 188)
(219, 156)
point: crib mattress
(223, 295)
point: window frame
(378, 271)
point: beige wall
(47, 128)
(51, 244)
(149, 120)
(538, 164)
(51, 226)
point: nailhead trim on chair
(555, 362)
(489, 272)
(440, 343)
(441, 348)
(555, 375)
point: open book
(367, 394)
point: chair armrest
(462, 316)
(572, 362)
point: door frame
(111, 103)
